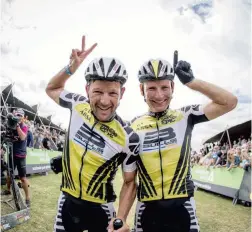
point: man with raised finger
(166, 190)
(98, 141)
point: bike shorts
(20, 164)
(76, 215)
(175, 215)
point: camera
(12, 121)
(9, 126)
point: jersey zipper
(161, 162)
(82, 160)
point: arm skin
(127, 194)
(222, 100)
(21, 134)
(56, 85)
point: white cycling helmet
(155, 69)
(107, 69)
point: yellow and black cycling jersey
(164, 164)
(94, 150)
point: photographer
(19, 154)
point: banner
(233, 183)
(11, 220)
(245, 189)
(38, 160)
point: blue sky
(214, 36)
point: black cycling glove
(184, 72)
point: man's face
(104, 98)
(158, 94)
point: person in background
(46, 141)
(30, 141)
(19, 155)
(246, 159)
(38, 138)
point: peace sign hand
(78, 56)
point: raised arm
(222, 100)
(57, 83)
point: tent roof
(29, 111)
(235, 132)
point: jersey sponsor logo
(143, 127)
(161, 138)
(168, 119)
(108, 130)
(86, 137)
(86, 113)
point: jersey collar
(110, 120)
(158, 114)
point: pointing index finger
(83, 43)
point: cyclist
(165, 191)
(98, 141)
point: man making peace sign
(98, 141)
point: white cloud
(36, 45)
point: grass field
(215, 213)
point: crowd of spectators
(42, 137)
(217, 155)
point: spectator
(46, 141)
(246, 160)
(32, 128)
(60, 143)
(204, 161)
(29, 141)
(54, 136)
(38, 138)
(239, 142)
(214, 157)
(233, 160)
(222, 158)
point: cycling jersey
(164, 164)
(94, 150)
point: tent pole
(5, 106)
(222, 136)
(229, 139)
(36, 113)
